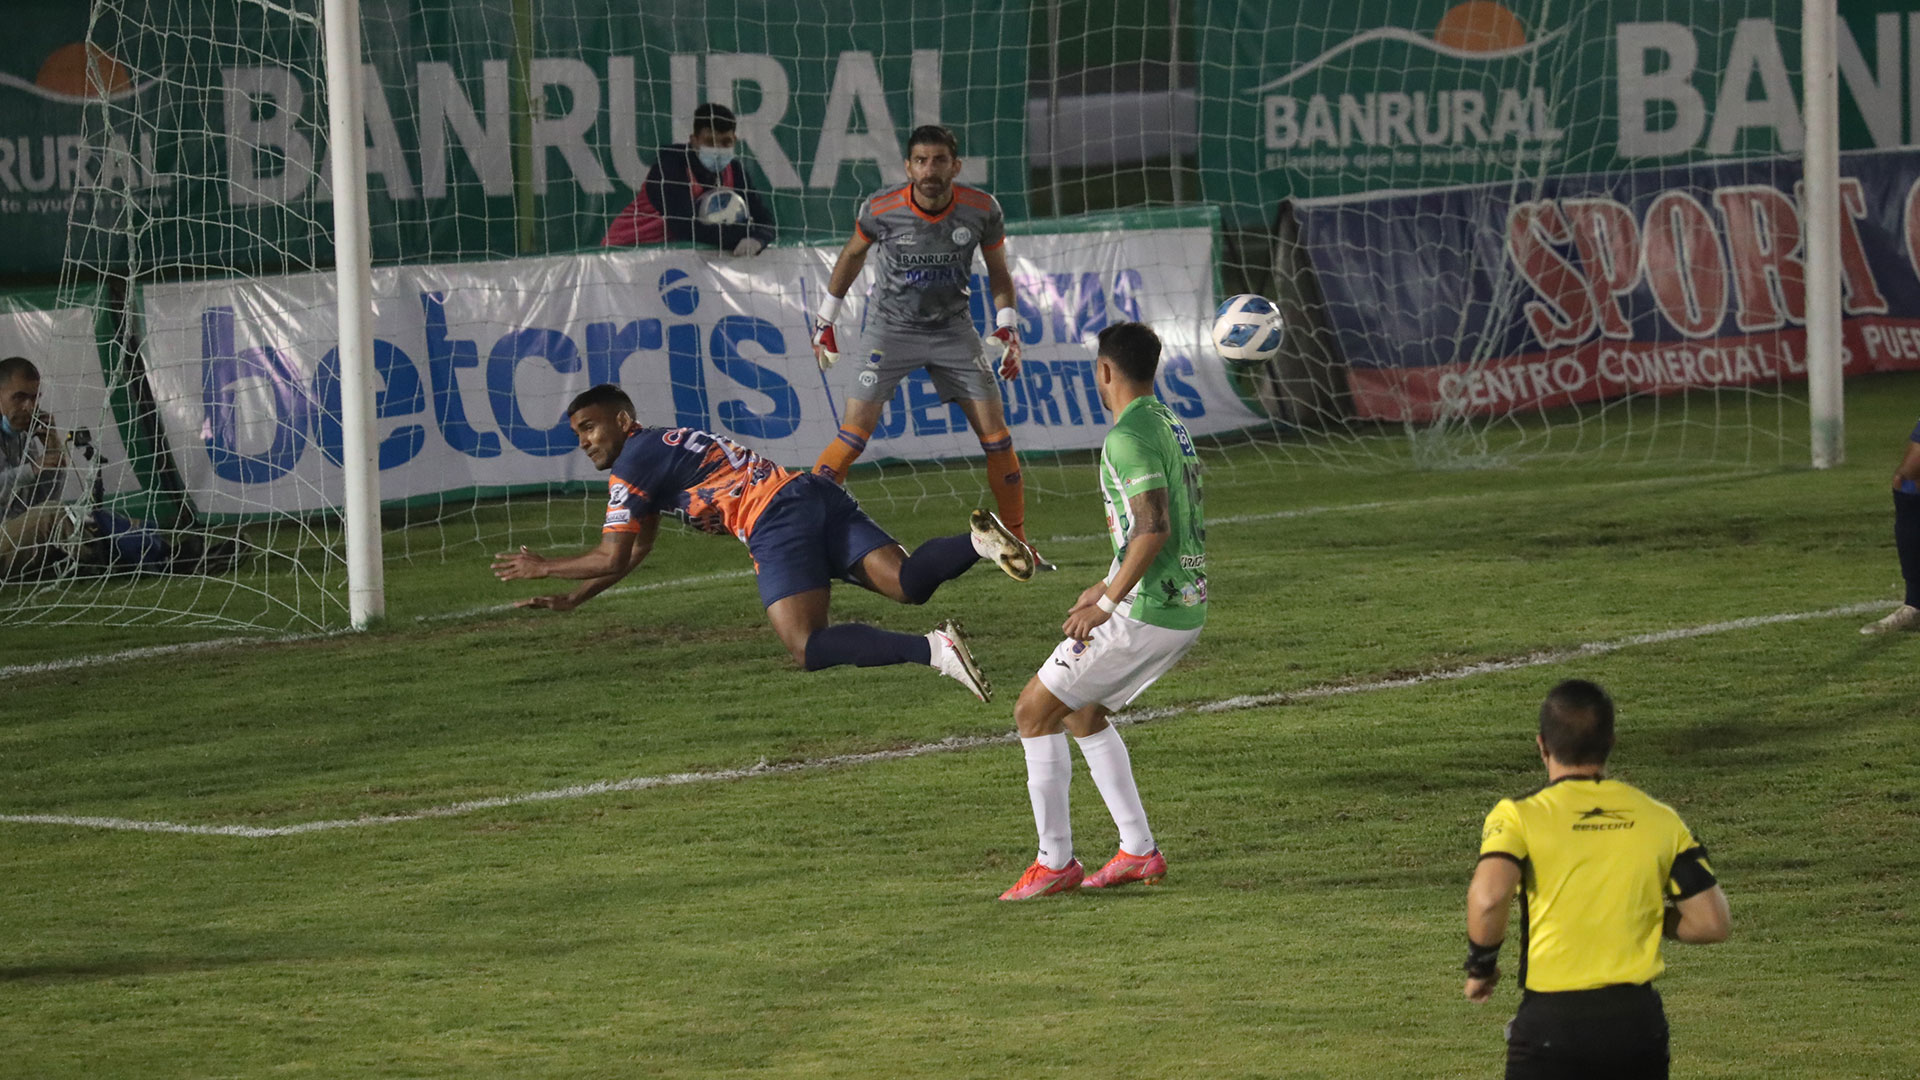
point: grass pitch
(841, 921)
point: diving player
(802, 531)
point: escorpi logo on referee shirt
(1599, 820)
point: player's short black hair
(1576, 723)
(17, 367)
(933, 135)
(605, 394)
(713, 117)
(1134, 348)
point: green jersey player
(1125, 631)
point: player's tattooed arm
(1150, 513)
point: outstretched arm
(615, 558)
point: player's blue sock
(865, 646)
(1906, 540)
(934, 563)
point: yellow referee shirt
(1598, 858)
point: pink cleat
(1042, 880)
(1123, 868)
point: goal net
(1499, 233)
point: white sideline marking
(968, 742)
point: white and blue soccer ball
(1248, 330)
(723, 206)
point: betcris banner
(474, 363)
(1597, 286)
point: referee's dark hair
(1576, 723)
(1134, 348)
(605, 394)
(933, 135)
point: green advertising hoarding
(1409, 94)
(193, 136)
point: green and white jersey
(1149, 448)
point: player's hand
(825, 349)
(1082, 620)
(1089, 595)
(561, 602)
(1479, 991)
(523, 565)
(1009, 351)
(748, 247)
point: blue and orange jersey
(708, 481)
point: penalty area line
(1139, 716)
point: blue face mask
(714, 159)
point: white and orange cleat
(1123, 868)
(1042, 880)
(992, 540)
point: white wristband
(1105, 603)
(1006, 319)
(830, 308)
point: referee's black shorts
(1613, 1033)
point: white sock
(1113, 774)
(1049, 771)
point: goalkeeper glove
(1004, 343)
(748, 247)
(825, 349)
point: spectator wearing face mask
(664, 209)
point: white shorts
(1123, 658)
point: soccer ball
(1248, 330)
(723, 206)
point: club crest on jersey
(873, 358)
(962, 235)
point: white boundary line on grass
(149, 652)
(642, 783)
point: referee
(1602, 870)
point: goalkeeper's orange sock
(1003, 476)
(841, 453)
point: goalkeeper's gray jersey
(922, 263)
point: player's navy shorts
(811, 532)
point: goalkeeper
(926, 231)
(664, 207)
